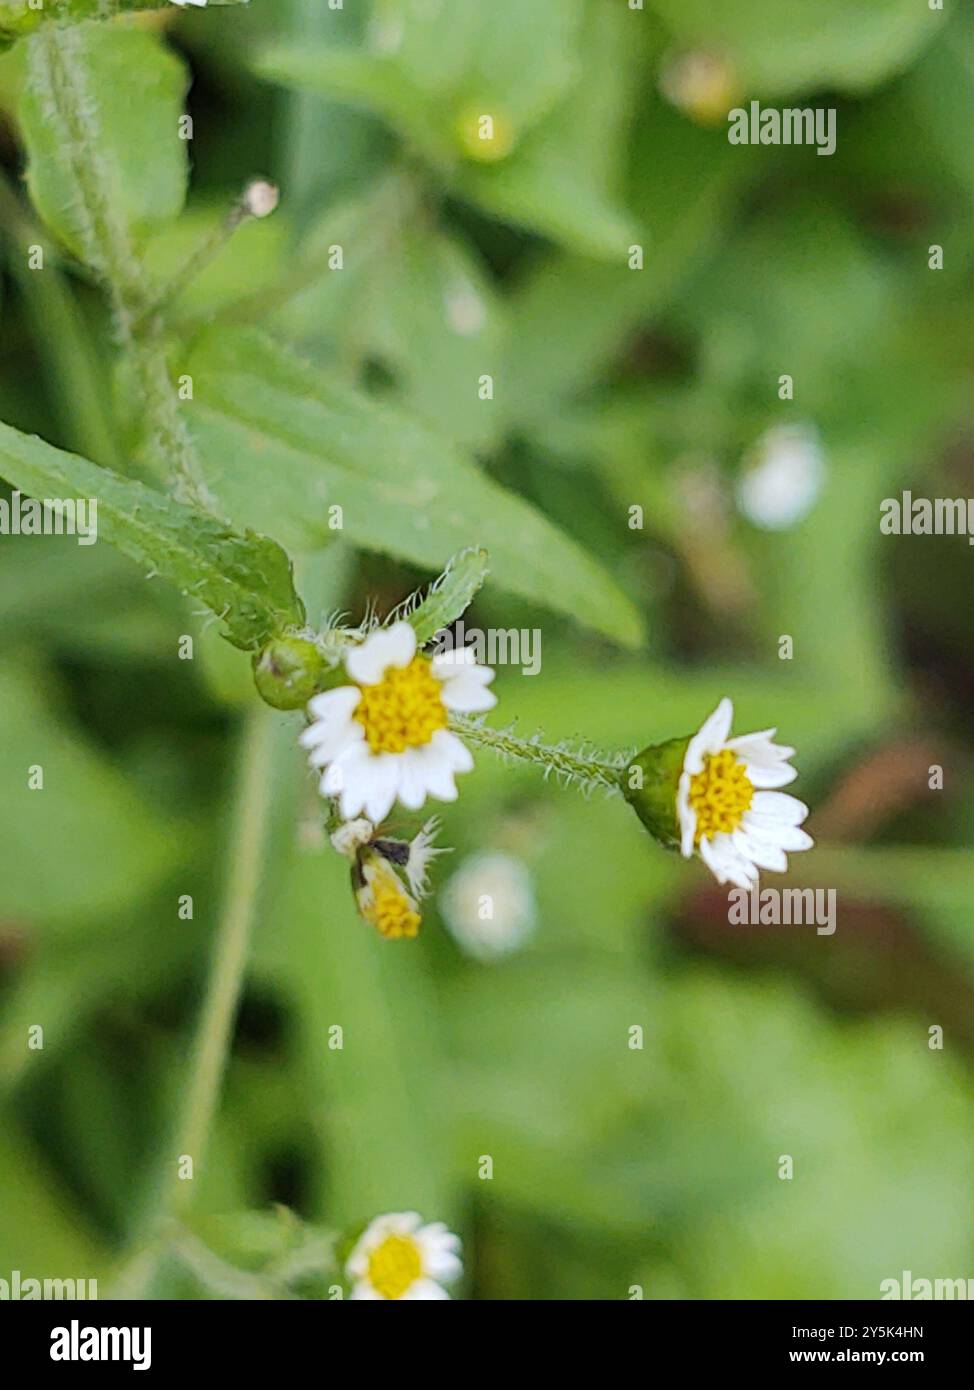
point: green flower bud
(650, 784)
(484, 135)
(288, 671)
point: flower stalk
(57, 71)
(258, 200)
(20, 17)
(581, 768)
(215, 1029)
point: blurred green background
(614, 388)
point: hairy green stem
(215, 1029)
(19, 17)
(220, 1278)
(207, 251)
(58, 73)
(574, 767)
(393, 202)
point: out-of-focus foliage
(356, 379)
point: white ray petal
(334, 704)
(777, 808)
(778, 776)
(762, 852)
(457, 753)
(391, 646)
(710, 737)
(464, 690)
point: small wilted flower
(381, 897)
(387, 736)
(378, 862)
(717, 796)
(397, 1257)
(489, 905)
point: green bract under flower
(650, 785)
(288, 671)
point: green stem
(19, 17)
(215, 1028)
(207, 251)
(57, 71)
(392, 203)
(220, 1278)
(214, 1031)
(574, 767)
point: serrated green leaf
(134, 92)
(451, 595)
(281, 444)
(244, 578)
(438, 322)
(543, 187)
(510, 59)
(560, 178)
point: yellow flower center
(387, 905)
(720, 794)
(394, 1266)
(404, 709)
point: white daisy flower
(387, 736)
(728, 806)
(398, 1257)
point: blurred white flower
(189, 2)
(782, 478)
(465, 309)
(704, 86)
(398, 1257)
(489, 905)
